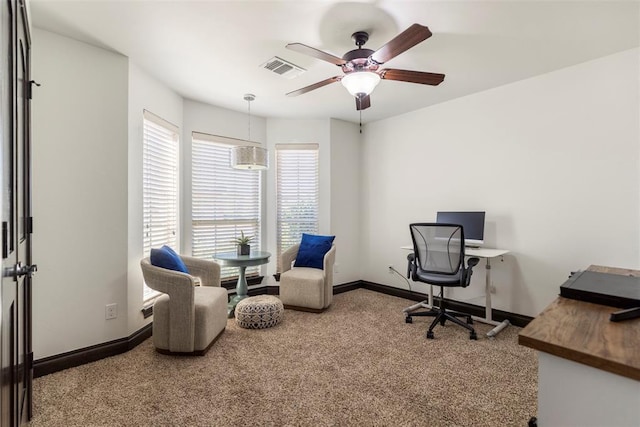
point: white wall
(346, 206)
(553, 160)
(145, 93)
(79, 125)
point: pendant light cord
(249, 108)
(249, 97)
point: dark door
(16, 355)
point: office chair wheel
(442, 321)
(469, 321)
(408, 319)
(473, 336)
(430, 335)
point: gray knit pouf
(259, 312)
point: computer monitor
(472, 224)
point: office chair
(438, 259)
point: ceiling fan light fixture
(360, 83)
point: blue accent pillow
(312, 250)
(166, 257)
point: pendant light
(249, 157)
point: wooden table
(589, 367)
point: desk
(588, 367)
(232, 259)
(487, 254)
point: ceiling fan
(361, 66)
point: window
(296, 193)
(225, 201)
(160, 186)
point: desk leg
(487, 289)
(241, 291)
(499, 326)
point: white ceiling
(210, 51)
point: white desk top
(477, 252)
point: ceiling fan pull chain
(360, 121)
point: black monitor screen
(472, 224)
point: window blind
(297, 185)
(225, 201)
(160, 186)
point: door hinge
(29, 225)
(30, 88)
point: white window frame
(160, 187)
(224, 201)
(297, 193)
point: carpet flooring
(358, 363)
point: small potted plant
(243, 243)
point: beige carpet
(358, 363)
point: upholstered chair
(192, 313)
(305, 288)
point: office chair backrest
(439, 248)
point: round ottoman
(259, 312)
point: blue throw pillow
(166, 257)
(312, 250)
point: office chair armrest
(410, 261)
(471, 262)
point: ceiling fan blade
(316, 53)
(420, 77)
(314, 86)
(403, 41)
(362, 103)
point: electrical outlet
(111, 311)
(390, 269)
(336, 268)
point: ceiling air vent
(282, 67)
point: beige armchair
(304, 288)
(192, 313)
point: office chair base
(472, 336)
(441, 317)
